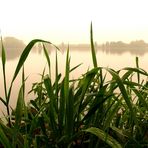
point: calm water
(36, 63)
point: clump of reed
(93, 110)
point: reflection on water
(36, 62)
(14, 47)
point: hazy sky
(69, 20)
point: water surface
(36, 62)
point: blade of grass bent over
(25, 54)
(23, 58)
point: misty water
(36, 62)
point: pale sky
(69, 21)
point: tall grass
(93, 110)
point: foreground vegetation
(101, 108)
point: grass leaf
(47, 58)
(25, 54)
(122, 88)
(104, 136)
(19, 107)
(4, 140)
(92, 47)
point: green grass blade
(4, 140)
(52, 104)
(3, 53)
(62, 110)
(56, 78)
(66, 81)
(137, 65)
(70, 113)
(127, 75)
(130, 83)
(69, 108)
(119, 131)
(104, 137)
(83, 87)
(4, 102)
(111, 114)
(47, 58)
(19, 108)
(49, 88)
(98, 102)
(122, 89)
(23, 81)
(140, 97)
(5, 84)
(26, 145)
(22, 59)
(75, 67)
(137, 70)
(92, 47)
(3, 64)
(86, 81)
(25, 54)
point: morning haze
(69, 21)
(14, 47)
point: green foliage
(104, 136)
(93, 110)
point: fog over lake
(110, 54)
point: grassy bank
(101, 108)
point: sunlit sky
(69, 21)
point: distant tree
(12, 42)
(13, 47)
(138, 43)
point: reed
(90, 111)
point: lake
(36, 62)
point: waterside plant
(102, 108)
